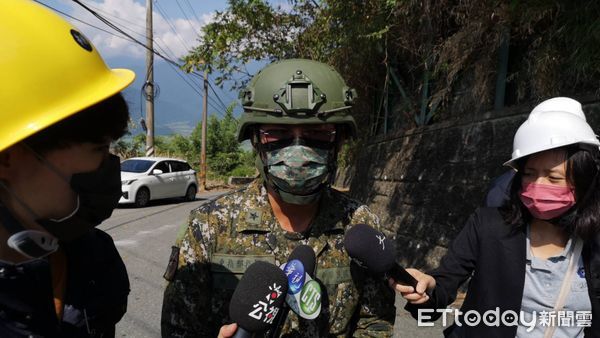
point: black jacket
(494, 254)
(95, 298)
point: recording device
(258, 299)
(299, 270)
(304, 293)
(370, 249)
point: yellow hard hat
(48, 71)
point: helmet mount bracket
(300, 96)
(294, 92)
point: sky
(177, 24)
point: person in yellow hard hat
(60, 108)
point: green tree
(222, 146)
(247, 30)
(225, 156)
(223, 151)
(425, 60)
(183, 146)
(128, 147)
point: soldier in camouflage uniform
(296, 115)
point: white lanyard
(566, 284)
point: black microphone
(370, 249)
(306, 256)
(257, 299)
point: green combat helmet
(294, 92)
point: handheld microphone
(300, 265)
(304, 293)
(306, 255)
(299, 270)
(257, 299)
(370, 249)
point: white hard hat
(554, 123)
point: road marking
(145, 216)
(139, 236)
(125, 243)
(204, 199)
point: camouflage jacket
(226, 235)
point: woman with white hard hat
(60, 108)
(534, 263)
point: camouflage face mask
(298, 169)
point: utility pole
(149, 85)
(203, 143)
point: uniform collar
(256, 213)
(331, 214)
(259, 217)
(539, 263)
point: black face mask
(99, 192)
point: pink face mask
(546, 201)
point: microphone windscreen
(306, 255)
(370, 248)
(258, 297)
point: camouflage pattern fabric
(226, 235)
(298, 168)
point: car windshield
(136, 166)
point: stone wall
(425, 182)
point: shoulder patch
(254, 217)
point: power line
(192, 10)
(160, 45)
(227, 96)
(78, 20)
(143, 36)
(163, 13)
(200, 76)
(172, 54)
(128, 38)
(116, 17)
(134, 40)
(186, 17)
(115, 27)
(213, 90)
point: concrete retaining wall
(425, 182)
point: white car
(149, 178)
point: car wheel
(190, 194)
(142, 197)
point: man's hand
(418, 296)
(227, 331)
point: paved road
(144, 237)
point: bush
(244, 171)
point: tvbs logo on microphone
(265, 310)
